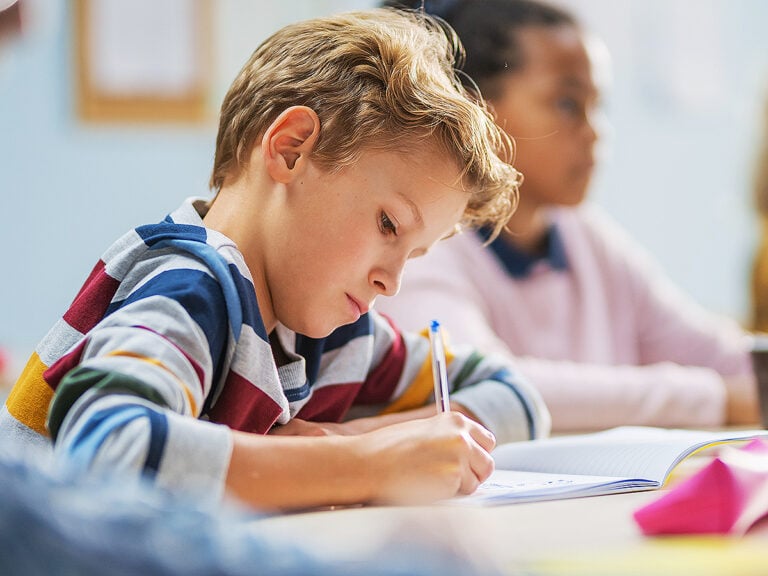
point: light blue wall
(690, 78)
(68, 189)
(676, 174)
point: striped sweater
(163, 351)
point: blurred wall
(683, 110)
(690, 78)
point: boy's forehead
(408, 172)
(426, 155)
(433, 165)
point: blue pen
(439, 373)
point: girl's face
(549, 107)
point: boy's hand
(429, 459)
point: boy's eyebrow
(412, 206)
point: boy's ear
(288, 140)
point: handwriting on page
(513, 485)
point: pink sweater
(608, 340)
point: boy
(346, 146)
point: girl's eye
(386, 225)
(570, 106)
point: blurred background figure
(760, 270)
(10, 20)
(10, 28)
(594, 322)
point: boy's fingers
(482, 436)
(481, 462)
(469, 483)
(479, 467)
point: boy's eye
(386, 225)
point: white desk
(595, 536)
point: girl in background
(595, 324)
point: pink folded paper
(728, 496)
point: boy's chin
(316, 331)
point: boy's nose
(386, 282)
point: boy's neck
(226, 215)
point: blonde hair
(382, 79)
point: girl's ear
(288, 141)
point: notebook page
(507, 486)
(628, 451)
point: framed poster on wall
(142, 60)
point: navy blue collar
(519, 264)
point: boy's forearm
(370, 423)
(410, 462)
(298, 427)
(294, 472)
(367, 424)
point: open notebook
(624, 459)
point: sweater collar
(519, 264)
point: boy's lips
(361, 307)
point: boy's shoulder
(184, 223)
(182, 230)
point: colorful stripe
(505, 377)
(244, 406)
(61, 367)
(221, 271)
(330, 403)
(29, 400)
(92, 435)
(469, 366)
(81, 380)
(380, 384)
(158, 363)
(248, 305)
(192, 362)
(196, 292)
(92, 301)
(417, 394)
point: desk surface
(594, 536)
